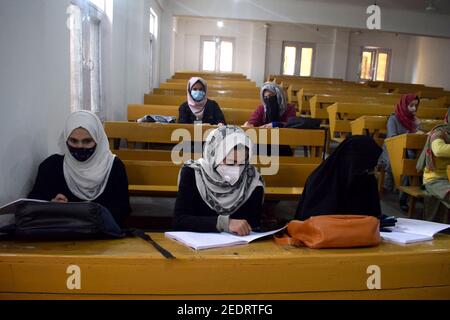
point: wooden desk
(132, 269)
(448, 172)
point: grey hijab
(281, 97)
(220, 195)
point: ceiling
(442, 6)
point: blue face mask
(198, 95)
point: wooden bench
(305, 94)
(376, 126)
(232, 116)
(243, 85)
(224, 102)
(160, 179)
(341, 115)
(130, 268)
(312, 141)
(402, 166)
(245, 94)
(209, 75)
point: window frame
(218, 40)
(299, 45)
(374, 65)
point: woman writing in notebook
(221, 191)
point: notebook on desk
(200, 240)
(412, 230)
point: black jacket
(50, 182)
(212, 114)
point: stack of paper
(411, 230)
(199, 241)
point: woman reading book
(86, 170)
(221, 191)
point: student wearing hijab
(344, 183)
(86, 170)
(221, 191)
(434, 160)
(404, 120)
(198, 107)
(274, 111)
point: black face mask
(81, 154)
(273, 108)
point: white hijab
(220, 195)
(87, 180)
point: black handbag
(68, 221)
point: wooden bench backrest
(223, 85)
(224, 102)
(341, 114)
(314, 140)
(165, 173)
(375, 126)
(232, 116)
(397, 150)
(213, 93)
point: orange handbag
(332, 231)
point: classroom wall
(249, 37)
(428, 62)
(34, 89)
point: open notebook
(200, 241)
(411, 230)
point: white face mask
(229, 173)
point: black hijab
(344, 183)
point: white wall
(34, 88)
(398, 43)
(429, 62)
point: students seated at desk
(434, 160)
(86, 170)
(404, 120)
(221, 191)
(344, 183)
(198, 107)
(274, 111)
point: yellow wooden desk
(132, 269)
(448, 172)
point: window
(217, 54)
(298, 59)
(85, 24)
(374, 64)
(153, 29)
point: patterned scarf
(406, 118)
(281, 98)
(426, 158)
(221, 196)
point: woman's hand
(239, 227)
(247, 125)
(60, 198)
(267, 126)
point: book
(7, 211)
(411, 230)
(208, 240)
